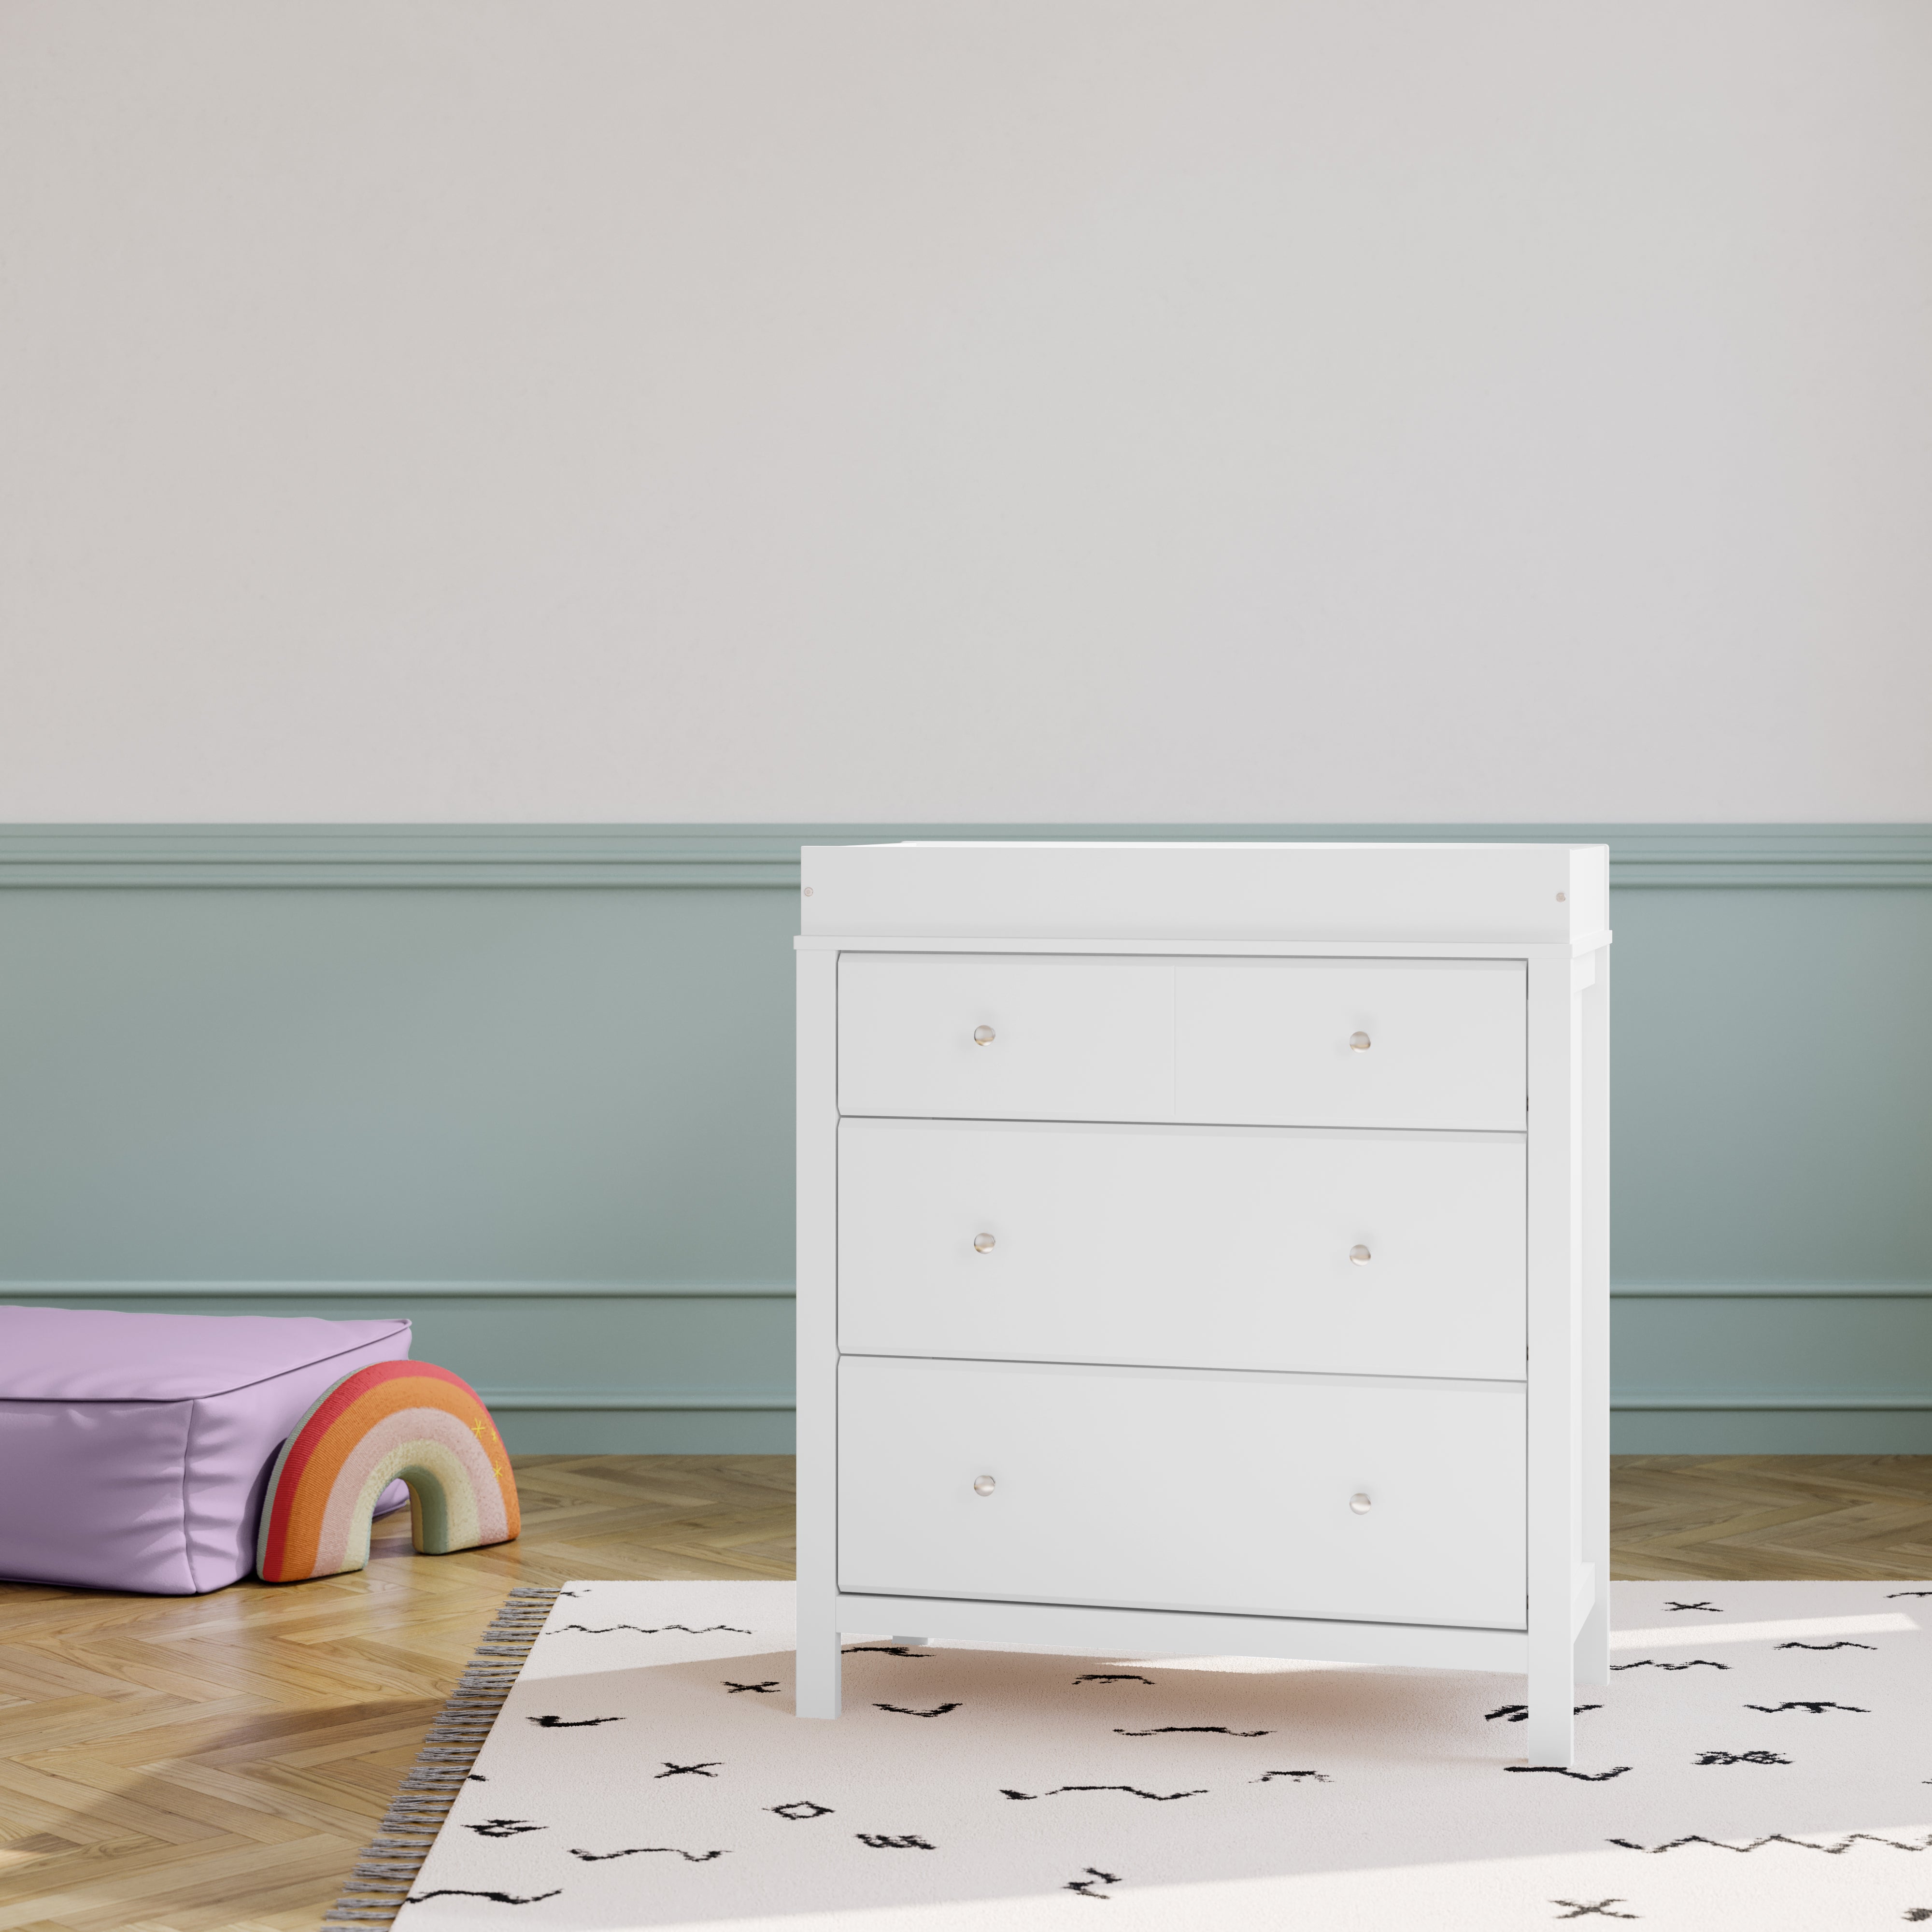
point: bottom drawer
(1165, 1489)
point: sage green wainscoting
(531, 1086)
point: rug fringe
(387, 1866)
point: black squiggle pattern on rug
(505, 1827)
(1161, 1730)
(879, 1842)
(1741, 1757)
(1657, 1663)
(704, 1770)
(1890, 1594)
(652, 1630)
(1816, 1709)
(1095, 1877)
(497, 1898)
(1778, 1838)
(1518, 1713)
(1557, 1771)
(800, 1808)
(552, 1722)
(1267, 1776)
(1159, 1797)
(884, 1650)
(1115, 1677)
(768, 1688)
(632, 1851)
(1843, 1643)
(1592, 1908)
(907, 1711)
(1714, 1609)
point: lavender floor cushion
(135, 1449)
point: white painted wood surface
(1258, 1040)
(1170, 1489)
(1255, 890)
(1555, 1417)
(1208, 1247)
(1097, 1629)
(1073, 1038)
(1340, 1042)
(818, 1679)
(1592, 1653)
(1098, 1250)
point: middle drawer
(1343, 1253)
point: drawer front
(1084, 1039)
(1353, 1043)
(1205, 1247)
(1169, 1489)
(1348, 1042)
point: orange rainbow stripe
(410, 1420)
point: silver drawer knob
(984, 1242)
(1359, 1255)
(1359, 1503)
(1360, 1042)
(982, 1485)
(982, 1035)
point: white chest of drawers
(1204, 1248)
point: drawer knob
(1359, 1503)
(982, 1035)
(1359, 1255)
(982, 1485)
(1359, 1043)
(983, 1243)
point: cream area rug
(1762, 1758)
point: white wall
(1027, 409)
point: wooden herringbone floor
(1720, 1518)
(171, 1764)
(212, 1764)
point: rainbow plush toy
(391, 1419)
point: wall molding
(1821, 1291)
(632, 1400)
(765, 856)
(18, 1291)
(515, 1299)
(1716, 1349)
(623, 1400)
(1737, 1365)
(783, 1291)
(1771, 1401)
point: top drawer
(1288, 1042)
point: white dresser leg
(1552, 1725)
(1593, 1640)
(821, 1668)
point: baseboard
(578, 1432)
(637, 1367)
(623, 1401)
(1769, 1432)
(1699, 1364)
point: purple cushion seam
(205, 1395)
